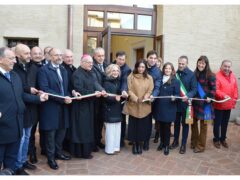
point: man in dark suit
(37, 59)
(54, 115)
(99, 73)
(12, 109)
(125, 71)
(28, 73)
(68, 64)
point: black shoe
(101, 145)
(146, 145)
(130, 143)
(53, 164)
(134, 148)
(63, 157)
(166, 150)
(33, 158)
(21, 171)
(139, 148)
(160, 147)
(182, 149)
(174, 145)
(29, 166)
(95, 149)
(156, 137)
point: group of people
(71, 106)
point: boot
(146, 145)
(156, 137)
(134, 148)
(174, 144)
(166, 150)
(33, 158)
(139, 148)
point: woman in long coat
(81, 124)
(140, 86)
(112, 112)
(203, 110)
(165, 109)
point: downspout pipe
(70, 28)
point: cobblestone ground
(211, 162)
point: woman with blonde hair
(140, 86)
(112, 109)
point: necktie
(60, 80)
(101, 67)
(7, 75)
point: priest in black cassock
(82, 123)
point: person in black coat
(82, 122)
(38, 61)
(54, 114)
(98, 71)
(165, 109)
(11, 109)
(156, 74)
(125, 71)
(112, 110)
(68, 64)
(28, 74)
(189, 81)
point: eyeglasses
(11, 58)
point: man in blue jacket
(54, 115)
(156, 74)
(188, 80)
(125, 71)
(11, 109)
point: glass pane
(144, 22)
(120, 20)
(95, 18)
(92, 44)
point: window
(144, 22)
(30, 42)
(95, 18)
(120, 20)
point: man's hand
(43, 97)
(139, 100)
(98, 93)
(104, 93)
(185, 99)
(208, 100)
(75, 93)
(118, 98)
(173, 98)
(226, 97)
(67, 100)
(124, 94)
(33, 90)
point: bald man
(54, 114)
(28, 74)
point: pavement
(211, 162)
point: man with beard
(54, 115)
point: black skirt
(138, 128)
(80, 150)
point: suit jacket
(54, 112)
(29, 78)
(97, 72)
(12, 108)
(70, 71)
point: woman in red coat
(226, 87)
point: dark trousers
(181, 119)
(98, 126)
(32, 142)
(54, 140)
(165, 132)
(8, 154)
(220, 124)
(123, 127)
